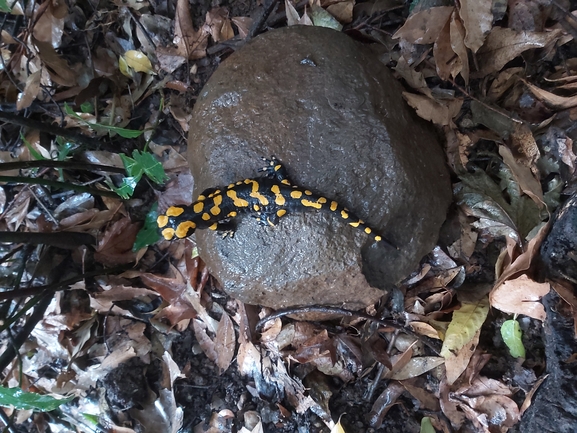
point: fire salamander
(267, 198)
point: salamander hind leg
(275, 170)
(226, 228)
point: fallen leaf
(503, 45)
(527, 182)
(477, 19)
(191, 44)
(520, 296)
(456, 363)
(568, 296)
(224, 343)
(464, 325)
(440, 113)
(554, 101)
(219, 24)
(424, 27)
(417, 366)
(459, 47)
(138, 61)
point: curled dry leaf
(503, 45)
(243, 25)
(521, 296)
(440, 113)
(219, 24)
(456, 363)
(524, 177)
(477, 20)
(191, 44)
(552, 100)
(425, 26)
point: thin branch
(58, 185)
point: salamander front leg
(275, 170)
(226, 228)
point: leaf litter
(477, 77)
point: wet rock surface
(334, 115)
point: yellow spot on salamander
(275, 189)
(232, 214)
(215, 210)
(198, 206)
(378, 238)
(280, 213)
(296, 194)
(174, 211)
(168, 234)
(217, 200)
(256, 207)
(213, 226)
(238, 202)
(307, 192)
(255, 194)
(184, 228)
(368, 230)
(322, 200)
(285, 181)
(334, 205)
(277, 167)
(239, 182)
(230, 186)
(355, 224)
(205, 216)
(344, 214)
(310, 203)
(161, 221)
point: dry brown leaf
(527, 402)
(503, 82)
(30, 92)
(417, 366)
(440, 113)
(457, 363)
(58, 68)
(243, 25)
(524, 142)
(503, 45)
(342, 11)
(425, 26)
(554, 101)
(115, 246)
(458, 45)
(521, 296)
(224, 343)
(443, 52)
(524, 177)
(384, 402)
(219, 24)
(191, 44)
(499, 410)
(413, 78)
(477, 19)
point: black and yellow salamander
(267, 198)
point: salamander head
(175, 223)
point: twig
(58, 185)
(60, 239)
(70, 165)
(261, 20)
(26, 122)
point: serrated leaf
(126, 189)
(29, 400)
(512, 336)
(150, 166)
(465, 323)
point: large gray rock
(334, 115)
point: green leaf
(465, 323)
(427, 426)
(151, 166)
(126, 189)
(35, 154)
(91, 419)
(29, 400)
(4, 6)
(87, 107)
(123, 132)
(132, 167)
(322, 18)
(148, 234)
(512, 336)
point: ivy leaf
(150, 166)
(29, 400)
(148, 235)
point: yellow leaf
(466, 321)
(138, 61)
(123, 67)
